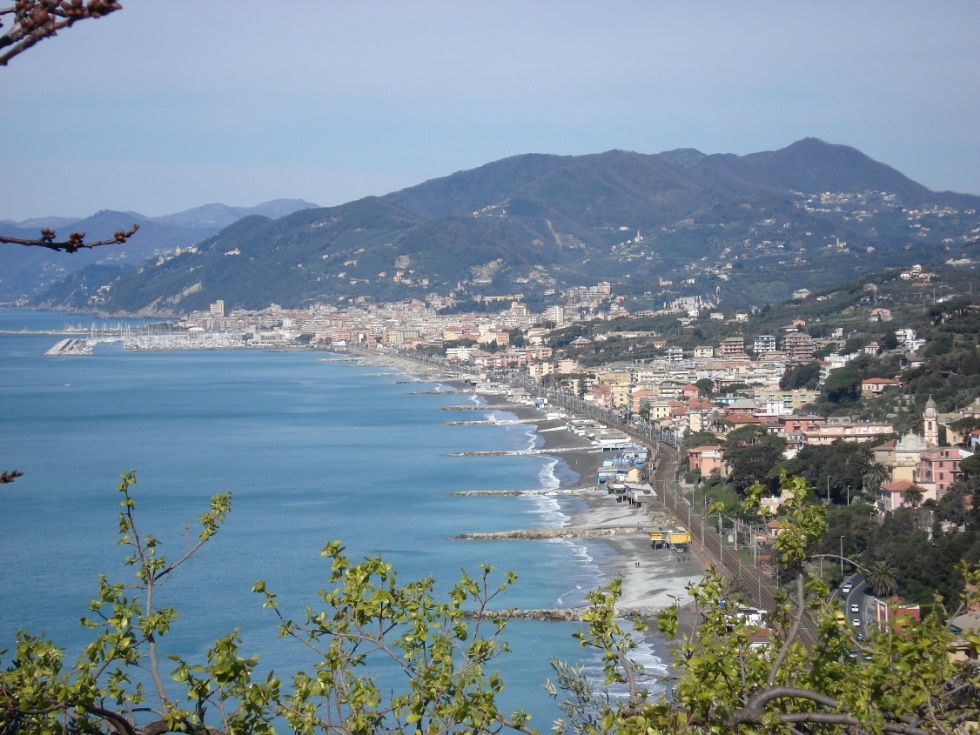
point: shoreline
(652, 579)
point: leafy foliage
(800, 672)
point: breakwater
(536, 534)
(516, 452)
(71, 346)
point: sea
(313, 449)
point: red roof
(900, 486)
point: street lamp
(842, 557)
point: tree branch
(35, 20)
(74, 243)
(794, 631)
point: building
(939, 468)
(764, 343)
(930, 423)
(877, 386)
(798, 346)
(892, 496)
(732, 346)
(707, 459)
(851, 432)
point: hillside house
(846, 431)
(939, 468)
(707, 459)
(892, 496)
(877, 386)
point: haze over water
(312, 450)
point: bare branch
(794, 630)
(35, 20)
(74, 243)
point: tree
(843, 386)
(881, 578)
(805, 375)
(706, 387)
(913, 496)
(32, 21)
(752, 455)
(802, 680)
(440, 646)
(875, 474)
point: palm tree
(875, 474)
(913, 496)
(881, 578)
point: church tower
(930, 424)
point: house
(704, 352)
(877, 386)
(939, 468)
(845, 431)
(707, 459)
(891, 613)
(893, 496)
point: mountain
(25, 271)
(737, 230)
(215, 216)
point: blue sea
(312, 450)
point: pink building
(707, 459)
(893, 496)
(939, 468)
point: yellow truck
(670, 538)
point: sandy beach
(653, 579)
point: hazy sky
(170, 104)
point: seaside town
(706, 401)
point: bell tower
(930, 424)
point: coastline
(652, 579)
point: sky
(167, 105)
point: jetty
(538, 534)
(517, 452)
(484, 407)
(71, 346)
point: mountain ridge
(725, 228)
(25, 271)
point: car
(856, 622)
(855, 609)
(848, 586)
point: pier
(539, 534)
(71, 347)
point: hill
(26, 271)
(735, 230)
